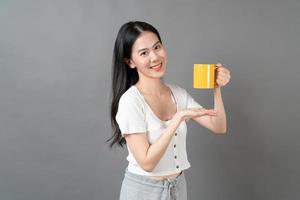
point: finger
(222, 69)
(218, 69)
(221, 83)
(219, 80)
(205, 114)
(212, 110)
(208, 111)
(211, 114)
(200, 112)
(219, 65)
(223, 72)
(222, 77)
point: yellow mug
(204, 76)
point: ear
(129, 63)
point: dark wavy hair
(123, 76)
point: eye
(158, 46)
(144, 53)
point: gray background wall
(55, 71)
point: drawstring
(167, 184)
(171, 185)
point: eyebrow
(147, 48)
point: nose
(154, 56)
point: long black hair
(123, 76)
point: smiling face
(148, 56)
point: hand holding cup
(210, 76)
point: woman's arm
(217, 124)
(148, 155)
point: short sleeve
(187, 101)
(130, 116)
(190, 102)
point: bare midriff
(172, 176)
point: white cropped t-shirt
(135, 116)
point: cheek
(143, 63)
(163, 53)
(140, 61)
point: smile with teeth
(156, 66)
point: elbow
(222, 131)
(147, 167)
(219, 128)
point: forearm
(158, 148)
(219, 121)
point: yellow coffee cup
(204, 76)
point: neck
(150, 86)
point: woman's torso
(164, 107)
(152, 121)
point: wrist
(217, 89)
(178, 117)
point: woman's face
(148, 56)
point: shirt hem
(139, 171)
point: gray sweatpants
(137, 187)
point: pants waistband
(165, 183)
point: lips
(156, 67)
